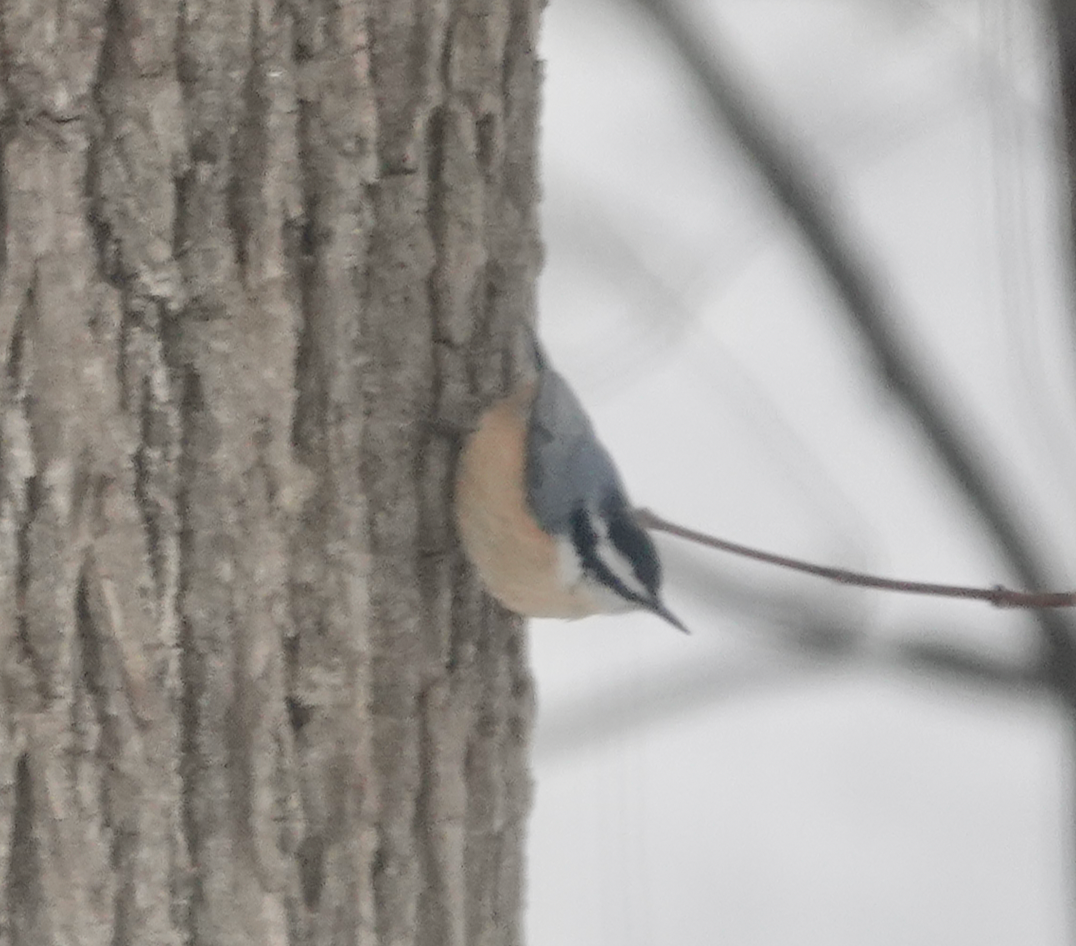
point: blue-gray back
(567, 468)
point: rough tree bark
(257, 261)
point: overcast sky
(724, 788)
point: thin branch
(997, 595)
(839, 251)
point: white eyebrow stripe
(621, 567)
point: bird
(542, 513)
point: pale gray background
(724, 788)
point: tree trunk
(259, 263)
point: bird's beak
(666, 615)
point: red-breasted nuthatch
(542, 512)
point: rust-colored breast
(516, 560)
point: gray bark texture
(260, 264)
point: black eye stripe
(585, 540)
(583, 535)
(634, 544)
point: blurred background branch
(814, 648)
(833, 746)
(1064, 22)
(868, 301)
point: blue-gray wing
(567, 468)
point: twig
(813, 209)
(998, 595)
